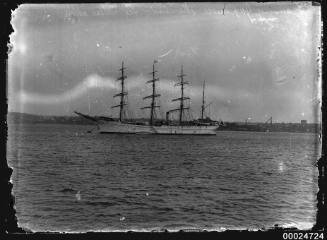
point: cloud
(138, 82)
(92, 81)
(249, 63)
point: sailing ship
(122, 125)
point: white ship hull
(124, 128)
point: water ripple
(234, 179)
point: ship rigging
(196, 127)
(153, 96)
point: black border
(8, 221)
(321, 217)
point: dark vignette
(8, 221)
(321, 217)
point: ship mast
(182, 98)
(153, 96)
(203, 101)
(122, 94)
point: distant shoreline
(18, 118)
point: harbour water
(66, 179)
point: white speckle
(122, 218)
(232, 68)
(249, 60)
(23, 97)
(281, 167)
(98, 44)
(21, 47)
(147, 194)
(78, 196)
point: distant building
(304, 122)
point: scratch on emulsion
(165, 54)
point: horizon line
(73, 115)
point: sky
(258, 60)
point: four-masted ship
(202, 126)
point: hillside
(15, 118)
